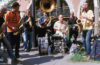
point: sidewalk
(66, 61)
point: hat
(15, 4)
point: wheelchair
(59, 43)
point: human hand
(83, 17)
(14, 29)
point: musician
(42, 28)
(27, 31)
(87, 22)
(73, 30)
(12, 20)
(3, 37)
(60, 26)
(43, 19)
(61, 29)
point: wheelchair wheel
(40, 49)
(62, 49)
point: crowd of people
(11, 22)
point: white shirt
(87, 25)
(61, 27)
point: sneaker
(25, 50)
(1, 59)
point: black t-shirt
(72, 21)
(1, 21)
(26, 25)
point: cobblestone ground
(33, 58)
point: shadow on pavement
(36, 59)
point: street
(33, 58)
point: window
(65, 10)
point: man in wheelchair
(61, 28)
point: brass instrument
(19, 27)
(30, 21)
(47, 5)
(79, 22)
(80, 26)
(1, 31)
(47, 22)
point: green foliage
(10, 3)
(78, 57)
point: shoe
(84, 54)
(25, 50)
(28, 50)
(87, 57)
(17, 56)
(15, 61)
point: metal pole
(33, 9)
(96, 14)
(33, 22)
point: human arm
(8, 19)
(89, 16)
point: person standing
(27, 31)
(42, 27)
(12, 19)
(3, 38)
(87, 22)
(73, 30)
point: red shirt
(12, 19)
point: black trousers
(74, 33)
(8, 46)
(15, 42)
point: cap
(15, 4)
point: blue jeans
(86, 38)
(28, 36)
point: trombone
(20, 26)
